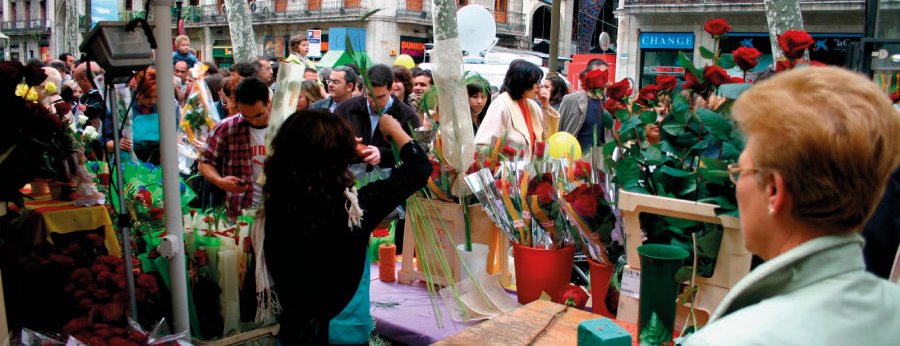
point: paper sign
(315, 43)
(631, 283)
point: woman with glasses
(821, 143)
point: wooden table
(524, 325)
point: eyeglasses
(332, 81)
(735, 171)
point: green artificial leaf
(668, 147)
(608, 150)
(708, 243)
(629, 125)
(673, 129)
(653, 155)
(674, 172)
(726, 212)
(726, 61)
(701, 146)
(655, 333)
(648, 117)
(718, 126)
(684, 275)
(676, 230)
(734, 90)
(637, 189)
(729, 152)
(687, 64)
(706, 53)
(628, 172)
(622, 115)
(680, 109)
(690, 185)
(714, 176)
(681, 223)
(608, 120)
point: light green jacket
(296, 59)
(815, 294)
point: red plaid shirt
(228, 149)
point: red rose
(76, 326)
(737, 80)
(573, 296)
(509, 151)
(540, 148)
(435, 169)
(667, 82)
(895, 97)
(648, 93)
(691, 82)
(104, 179)
(148, 283)
(746, 58)
(794, 42)
(717, 27)
(95, 239)
(596, 79)
(63, 260)
(715, 75)
(584, 200)
(209, 219)
(583, 169)
(619, 90)
(612, 106)
(157, 213)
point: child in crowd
(183, 51)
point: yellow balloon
(562, 144)
(405, 61)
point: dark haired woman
(318, 225)
(479, 100)
(402, 87)
(552, 91)
(514, 114)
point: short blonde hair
(833, 136)
(182, 38)
(311, 90)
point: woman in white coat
(515, 114)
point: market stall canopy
(4, 37)
(335, 58)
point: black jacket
(882, 231)
(322, 104)
(356, 112)
(316, 265)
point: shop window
(660, 61)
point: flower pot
(39, 188)
(600, 276)
(656, 316)
(475, 260)
(541, 270)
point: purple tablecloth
(404, 313)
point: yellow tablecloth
(63, 217)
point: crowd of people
(345, 118)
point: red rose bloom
(596, 79)
(583, 169)
(157, 213)
(542, 186)
(784, 65)
(540, 148)
(148, 283)
(717, 27)
(381, 233)
(648, 93)
(715, 75)
(509, 151)
(666, 82)
(584, 200)
(746, 58)
(737, 80)
(691, 82)
(612, 106)
(794, 42)
(619, 90)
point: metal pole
(124, 218)
(169, 162)
(554, 38)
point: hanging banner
(102, 10)
(315, 43)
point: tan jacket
(504, 118)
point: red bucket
(541, 270)
(600, 275)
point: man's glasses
(332, 81)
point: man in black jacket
(363, 114)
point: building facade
(652, 32)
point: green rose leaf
(648, 117)
(686, 63)
(726, 61)
(654, 155)
(629, 125)
(718, 126)
(734, 90)
(673, 129)
(680, 109)
(674, 172)
(706, 53)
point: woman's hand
(391, 128)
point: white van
(494, 66)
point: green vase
(659, 290)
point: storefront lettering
(667, 40)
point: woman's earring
(771, 211)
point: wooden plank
(524, 325)
(244, 337)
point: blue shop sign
(667, 40)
